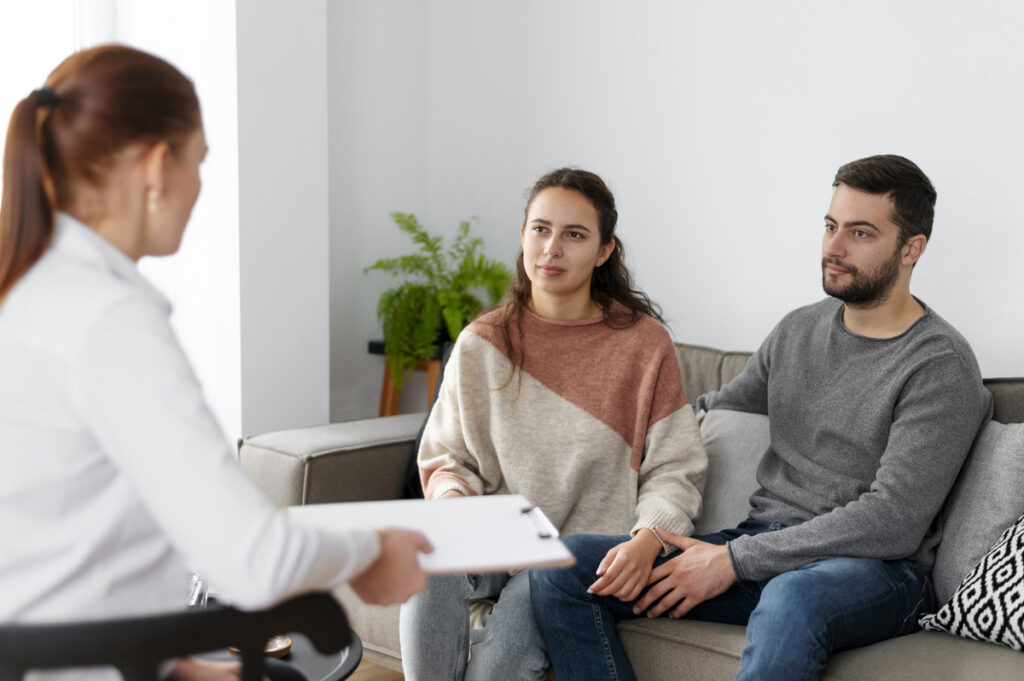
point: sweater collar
(616, 308)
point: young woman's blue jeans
(437, 644)
(794, 621)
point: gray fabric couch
(367, 460)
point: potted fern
(437, 297)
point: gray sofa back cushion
(1009, 399)
(986, 499)
(735, 442)
(706, 369)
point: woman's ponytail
(26, 207)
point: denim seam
(605, 646)
(463, 653)
(915, 612)
(907, 576)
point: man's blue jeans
(794, 621)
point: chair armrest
(362, 460)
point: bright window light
(34, 37)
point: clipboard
(489, 533)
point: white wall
(718, 125)
(282, 133)
(378, 137)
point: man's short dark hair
(912, 192)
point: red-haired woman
(115, 474)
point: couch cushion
(987, 497)
(735, 442)
(667, 650)
(664, 649)
(925, 656)
(989, 605)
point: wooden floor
(369, 671)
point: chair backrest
(137, 646)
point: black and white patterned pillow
(989, 604)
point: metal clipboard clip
(545, 529)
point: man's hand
(701, 572)
(451, 494)
(624, 571)
(396, 574)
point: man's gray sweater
(867, 438)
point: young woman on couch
(116, 475)
(570, 394)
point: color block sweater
(595, 429)
(867, 438)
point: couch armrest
(361, 460)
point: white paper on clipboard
(489, 533)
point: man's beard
(865, 289)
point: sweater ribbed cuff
(738, 557)
(666, 521)
(436, 492)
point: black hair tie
(46, 97)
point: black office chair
(137, 646)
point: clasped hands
(700, 572)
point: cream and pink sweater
(595, 430)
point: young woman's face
(562, 243)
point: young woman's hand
(625, 569)
(451, 494)
(396, 574)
